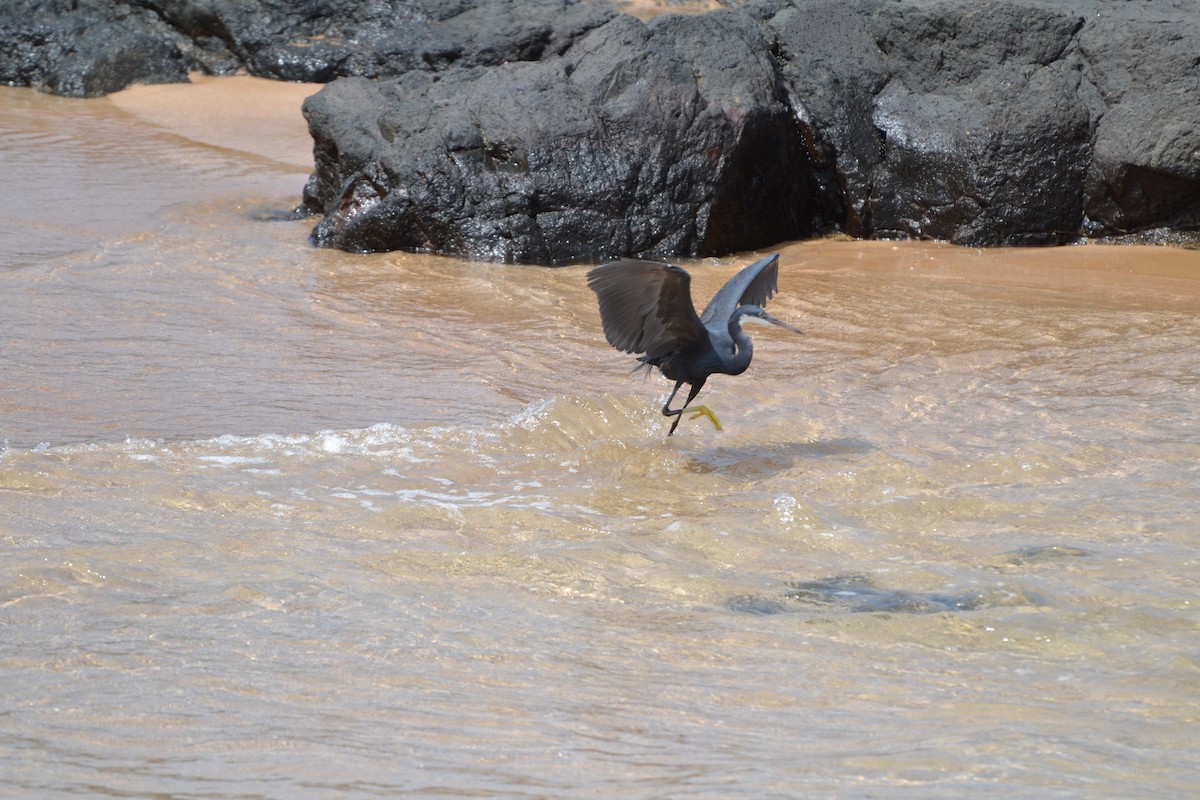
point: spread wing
(646, 307)
(754, 285)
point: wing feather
(646, 307)
(754, 285)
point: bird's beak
(768, 318)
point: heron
(646, 308)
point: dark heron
(646, 308)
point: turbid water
(284, 522)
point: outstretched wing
(646, 307)
(754, 285)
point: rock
(997, 124)
(650, 140)
(984, 139)
(1144, 63)
(317, 41)
(1146, 166)
(86, 48)
(94, 47)
(949, 121)
(832, 70)
(555, 130)
(1004, 122)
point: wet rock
(86, 49)
(859, 594)
(960, 122)
(1001, 123)
(832, 70)
(317, 40)
(653, 140)
(1143, 61)
(92, 47)
(993, 123)
(984, 138)
(756, 605)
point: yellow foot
(705, 411)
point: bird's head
(753, 313)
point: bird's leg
(670, 412)
(695, 411)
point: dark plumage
(646, 308)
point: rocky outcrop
(1002, 122)
(662, 139)
(558, 130)
(1141, 63)
(84, 48)
(319, 40)
(999, 123)
(956, 121)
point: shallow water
(285, 522)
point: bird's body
(646, 308)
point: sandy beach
(240, 112)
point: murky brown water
(283, 522)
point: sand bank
(236, 112)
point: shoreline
(262, 117)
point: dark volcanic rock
(318, 40)
(666, 139)
(1143, 61)
(91, 47)
(86, 48)
(1146, 163)
(553, 130)
(1024, 122)
(833, 70)
(949, 121)
(984, 139)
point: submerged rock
(858, 594)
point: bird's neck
(744, 348)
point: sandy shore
(237, 112)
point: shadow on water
(858, 594)
(757, 461)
